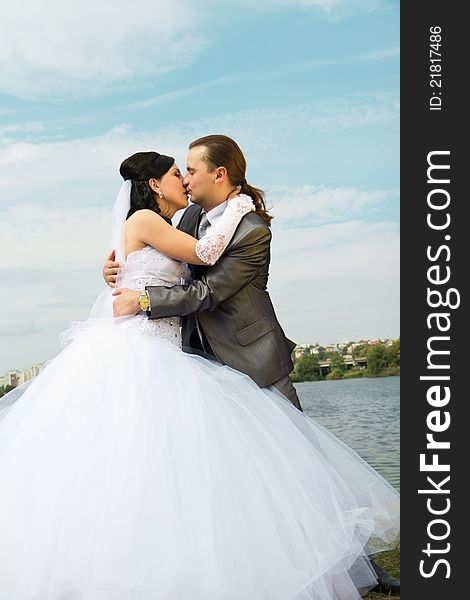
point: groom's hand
(110, 270)
(126, 303)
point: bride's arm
(149, 228)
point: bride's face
(171, 186)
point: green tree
(360, 351)
(393, 353)
(306, 369)
(335, 374)
(4, 389)
(377, 359)
(337, 362)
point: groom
(227, 312)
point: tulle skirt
(132, 471)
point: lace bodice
(150, 267)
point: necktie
(203, 226)
(201, 232)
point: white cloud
(333, 8)
(337, 282)
(21, 128)
(75, 172)
(324, 5)
(55, 240)
(381, 53)
(327, 6)
(49, 275)
(18, 326)
(307, 205)
(183, 93)
(87, 168)
(48, 48)
(389, 51)
(309, 120)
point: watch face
(144, 302)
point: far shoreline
(348, 378)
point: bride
(130, 470)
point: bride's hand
(242, 203)
(110, 270)
(126, 303)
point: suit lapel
(189, 224)
(190, 220)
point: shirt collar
(215, 213)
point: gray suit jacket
(231, 305)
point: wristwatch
(144, 301)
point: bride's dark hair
(139, 168)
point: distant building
(345, 348)
(15, 378)
(11, 378)
(305, 349)
(31, 373)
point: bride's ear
(153, 183)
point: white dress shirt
(215, 213)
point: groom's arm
(235, 269)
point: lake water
(364, 414)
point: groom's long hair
(222, 151)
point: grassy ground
(390, 562)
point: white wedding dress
(132, 471)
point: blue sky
(309, 89)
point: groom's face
(199, 183)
